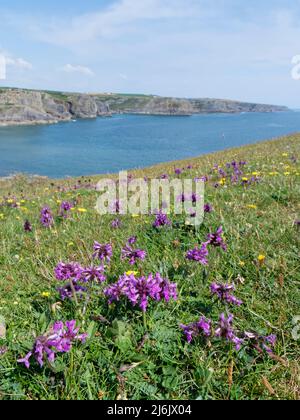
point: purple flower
(208, 208)
(68, 271)
(224, 293)
(178, 171)
(198, 254)
(202, 327)
(103, 252)
(297, 223)
(261, 343)
(65, 208)
(139, 290)
(59, 339)
(161, 220)
(68, 290)
(216, 239)
(131, 254)
(27, 226)
(116, 224)
(93, 274)
(225, 330)
(46, 217)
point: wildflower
(82, 210)
(65, 208)
(133, 255)
(297, 223)
(46, 217)
(224, 293)
(161, 220)
(139, 290)
(103, 252)
(70, 290)
(261, 259)
(252, 206)
(203, 326)
(116, 224)
(198, 254)
(91, 274)
(132, 273)
(27, 226)
(216, 239)
(59, 339)
(178, 171)
(261, 343)
(208, 208)
(45, 294)
(225, 330)
(68, 271)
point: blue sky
(189, 48)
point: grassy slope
(169, 368)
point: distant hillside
(22, 106)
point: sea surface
(104, 145)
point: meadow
(162, 310)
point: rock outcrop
(20, 106)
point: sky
(233, 49)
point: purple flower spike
(46, 217)
(225, 330)
(139, 290)
(27, 226)
(225, 293)
(131, 254)
(216, 239)
(198, 254)
(195, 329)
(103, 252)
(161, 220)
(59, 339)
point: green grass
(122, 358)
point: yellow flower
(242, 263)
(23, 201)
(71, 244)
(80, 210)
(58, 201)
(285, 154)
(46, 294)
(1, 216)
(132, 273)
(252, 206)
(135, 215)
(261, 259)
(10, 201)
(287, 173)
(223, 181)
(245, 179)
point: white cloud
(69, 68)
(113, 21)
(18, 63)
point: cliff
(20, 106)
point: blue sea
(103, 145)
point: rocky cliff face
(19, 106)
(31, 107)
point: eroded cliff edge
(20, 106)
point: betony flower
(216, 239)
(46, 217)
(208, 208)
(161, 220)
(198, 254)
(68, 271)
(261, 343)
(225, 293)
(193, 330)
(65, 209)
(103, 252)
(59, 339)
(27, 226)
(93, 274)
(131, 254)
(225, 330)
(138, 290)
